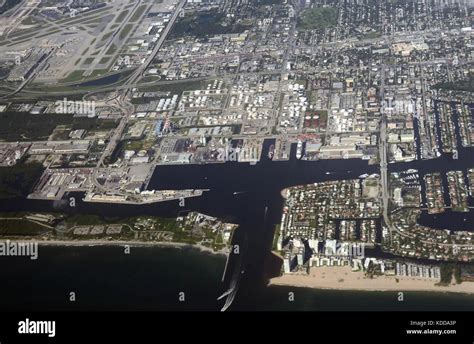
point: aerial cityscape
(321, 144)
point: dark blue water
(104, 278)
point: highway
(31, 93)
(122, 102)
(136, 76)
(383, 152)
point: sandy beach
(342, 278)
(123, 243)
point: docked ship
(271, 152)
(299, 150)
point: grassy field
(138, 13)
(204, 23)
(88, 61)
(121, 16)
(31, 20)
(142, 228)
(98, 72)
(318, 18)
(74, 76)
(125, 31)
(104, 60)
(112, 49)
(106, 37)
(20, 227)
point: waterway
(248, 195)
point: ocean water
(105, 278)
(152, 278)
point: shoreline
(342, 278)
(92, 243)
